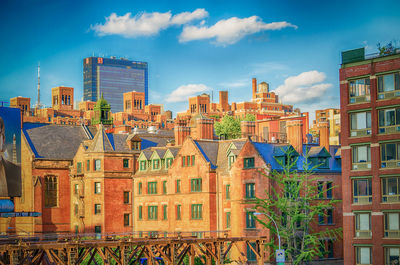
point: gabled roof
(51, 141)
(209, 149)
(281, 150)
(318, 151)
(174, 150)
(101, 142)
(147, 153)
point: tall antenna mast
(38, 105)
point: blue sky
(193, 46)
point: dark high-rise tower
(112, 77)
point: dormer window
(143, 165)
(135, 145)
(156, 164)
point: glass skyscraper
(113, 77)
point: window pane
(393, 221)
(361, 120)
(381, 118)
(390, 117)
(390, 151)
(364, 221)
(365, 257)
(388, 82)
(368, 121)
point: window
(178, 212)
(228, 192)
(250, 190)
(140, 187)
(321, 218)
(193, 160)
(362, 191)
(329, 190)
(251, 256)
(97, 188)
(152, 188)
(76, 189)
(360, 123)
(126, 163)
(50, 191)
(388, 86)
(187, 161)
(97, 229)
(330, 249)
(390, 189)
(168, 162)
(392, 255)
(79, 167)
(197, 211)
(97, 164)
(152, 212)
(126, 197)
(392, 224)
(250, 221)
(359, 90)
(329, 216)
(97, 208)
(228, 219)
(164, 187)
(195, 185)
(142, 165)
(363, 255)
(231, 160)
(363, 224)
(127, 218)
(320, 189)
(76, 208)
(140, 212)
(165, 212)
(389, 120)
(178, 186)
(87, 165)
(390, 155)
(361, 157)
(183, 161)
(156, 164)
(248, 162)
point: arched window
(51, 191)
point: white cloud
(230, 31)
(183, 92)
(303, 88)
(145, 24)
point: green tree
(293, 201)
(230, 126)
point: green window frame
(388, 85)
(193, 160)
(196, 185)
(187, 161)
(178, 212)
(228, 219)
(125, 163)
(178, 186)
(97, 188)
(183, 161)
(140, 214)
(361, 156)
(143, 165)
(140, 188)
(87, 165)
(228, 192)
(156, 164)
(152, 212)
(79, 167)
(231, 160)
(76, 189)
(197, 211)
(152, 187)
(391, 189)
(320, 188)
(389, 120)
(97, 208)
(363, 255)
(392, 224)
(250, 221)
(363, 224)
(97, 164)
(390, 155)
(248, 162)
(168, 162)
(250, 190)
(164, 184)
(165, 212)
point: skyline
(193, 48)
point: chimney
(248, 128)
(223, 100)
(294, 130)
(181, 132)
(205, 129)
(323, 128)
(254, 88)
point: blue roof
(147, 143)
(269, 151)
(205, 155)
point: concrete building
(369, 107)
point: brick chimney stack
(294, 129)
(181, 131)
(323, 128)
(248, 128)
(254, 88)
(205, 129)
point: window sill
(366, 238)
(333, 224)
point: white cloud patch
(183, 92)
(230, 31)
(145, 24)
(303, 88)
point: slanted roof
(120, 142)
(51, 141)
(102, 142)
(318, 151)
(174, 150)
(147, 153)
(209, 150)
(281, 150)
(160, 151)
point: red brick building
(370, 116)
